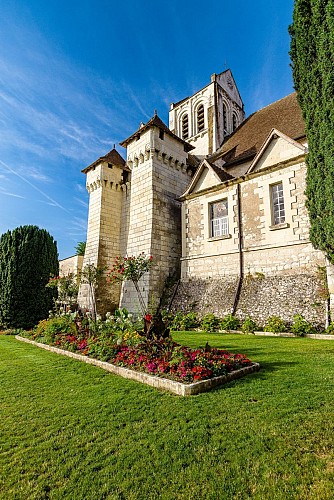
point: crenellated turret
(158, 160)
(108, 185)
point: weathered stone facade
(255, 259)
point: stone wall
(261, 296)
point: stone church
(218, 200)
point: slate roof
(112, 157)
(243, 145)
(222, 174)
(156, 122)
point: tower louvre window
(185, 127)
(200, 118)
(225, 118)
(234, 122)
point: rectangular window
(219, 219)
(277, 204)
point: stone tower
(160, 173)
(206, 118)
(107, 185)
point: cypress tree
(312, 55)
(28, 256)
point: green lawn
(73, 431)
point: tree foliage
(28, 256)
(312, 55)
(80, 248)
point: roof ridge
(271, 104)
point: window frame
(278, 211)
(218, 226)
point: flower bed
(179, 388)
(162, 357)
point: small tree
(131, 269)
(67, 288)
(28, 256)
(92, 276)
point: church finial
(114, 146)
(155, 113)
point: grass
(72, 431)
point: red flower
(148, 317)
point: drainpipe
(241, 256)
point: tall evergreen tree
(28, 256)
(312, 55)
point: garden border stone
(160, 383)
(317, 336)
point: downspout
(241, 256)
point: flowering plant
(67, 287)
(131, 268)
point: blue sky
(78, 76)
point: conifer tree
(28, 256)
(312, 55)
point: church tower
(206, 118)
(107, 185)
(160, 173)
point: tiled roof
(112, 157)
(222, 174)
(245, 142)
(156, 122)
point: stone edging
(160, 383)
(317, 336)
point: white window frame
(278, 215)
(219, 226)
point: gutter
(240, 250)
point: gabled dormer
(207, 175)
(277, 148)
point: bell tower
(207, 117)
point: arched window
(224, 117)
(200, 118)
(185, 127)
(234, 122)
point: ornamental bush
(210, 323)
(249, 326)
(230, 322)
(47, 330)
(275, 324)
(28, 256)
(301, 326)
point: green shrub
(176, 321)
(275, 324)
(249, 325)
(48, 329)
(210, 323)
(28, 256)
(14, 331)
(301, 326)
(189, 321)
(230, 322)
(330, 329)
(184, 321)
(101, 349)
